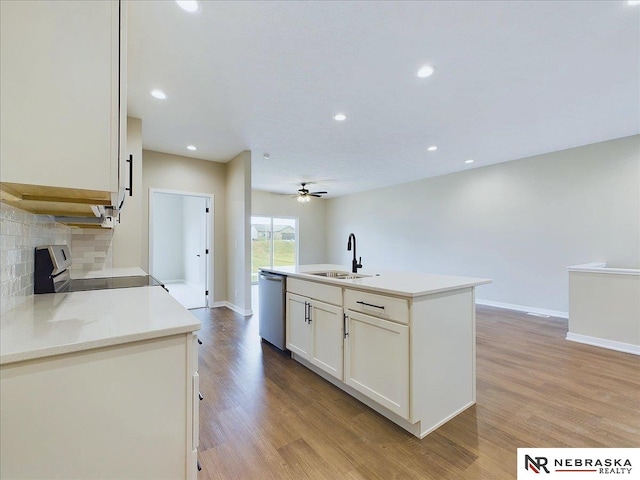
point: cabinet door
(297, 326)
(59, 93)
(377, 360)
(327, 342)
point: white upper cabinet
(63, 95)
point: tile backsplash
(21, 232)
(91, 249)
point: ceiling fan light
(303, 198)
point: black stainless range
(51, 274)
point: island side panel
(442, 347)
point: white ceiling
(513, 79)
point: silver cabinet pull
(344, 324)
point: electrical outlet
(235, 294)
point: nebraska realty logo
(580, 463)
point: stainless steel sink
(339, 275)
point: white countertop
(405, 284)
(56, 323)
(110, 272)
(602, 268)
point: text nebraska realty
(616, 466)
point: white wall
(311, 221)
(168, 241)
(520, 223)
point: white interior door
(195, 246)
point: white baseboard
(604, 343)
(235, 308)
(523, 308)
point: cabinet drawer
(383, 306)
(318, 291)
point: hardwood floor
(264, 416)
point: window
(273, 243)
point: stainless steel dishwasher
(271, 306)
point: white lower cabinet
(315, 332)
(412, 359)
(377, 361)
(298, 331)
(327, 343)
(128, 411)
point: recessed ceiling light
(188, 5)
(191, 147)
(266, 156)
(339, 117)
(159, 94)
(468, 161)
(426, 71)
(432, 148)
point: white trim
(523, 308)
(231, 306)
(604, 343)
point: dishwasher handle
(273, 278)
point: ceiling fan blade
(314, 195)
(318, 193)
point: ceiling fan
(304, 195)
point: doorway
(179, 244)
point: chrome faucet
(355, 264)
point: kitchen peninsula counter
(58, 323)
(404, 284)
(99, 384)
(402, 343)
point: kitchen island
(403, 343)
(99, 384)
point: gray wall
(238, 232)
(174, 172)
(128, 241)
(311, 221)
(520, 223)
